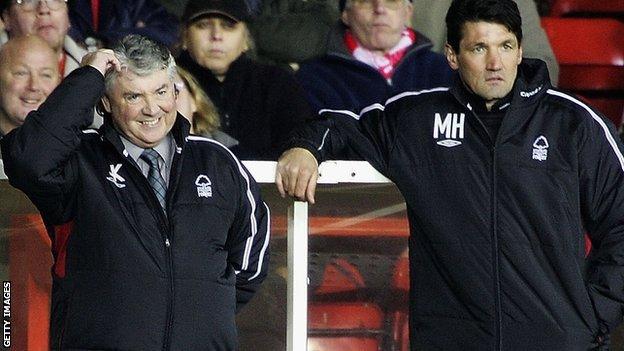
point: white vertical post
(297, 335)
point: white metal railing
(330, 172)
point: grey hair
(349, 3)
(141, 56)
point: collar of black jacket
(179, 131)
(201, 73)
(531, 83)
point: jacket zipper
(167, 341)
(495, 253)
(167, 228)
(495, 249)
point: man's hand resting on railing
(296, 174)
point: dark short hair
(4, 4)
(504, 12)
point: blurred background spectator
(295, 30)
(367, 63)
(258, 104)
(28, 73)
(194, 104)
(101, 23)
(49, 20)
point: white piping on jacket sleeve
(602, 124)
(265, 245)
(252, 201)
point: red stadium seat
(400, 277)
(610, 107)
(587, 8)
(590, 53)
(399, 320)
(345, 326)
(340, 276)
(400, 330)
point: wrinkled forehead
(128, 81)
(479, 30)
(31, 55)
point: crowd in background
(249, 71)
(288, 58)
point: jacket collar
(179, 131)
(531, 84)
(239, 65)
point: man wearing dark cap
(258, 104)
(372, 54)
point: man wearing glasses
(371, 55)
(47, 19)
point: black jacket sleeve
(248, 242)
(291, 109)
(38, 155)
(371, 134)
(601, 170)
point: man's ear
(106, 104)
(409, 10)
(5, 20)
(451, 56)
(184, 38)
(345, 18)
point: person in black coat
(258, 104)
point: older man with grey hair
(371, 55)
(158, 236)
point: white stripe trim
(344, 112)
(376, 106)
(597, 118)
(252, 201)
(90, 131)
(323, 140)
(414, 93)
(265, 245)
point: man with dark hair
(503, 175)
(158, 236)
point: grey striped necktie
(154, 177)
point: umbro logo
(115, 178)
(449, 132)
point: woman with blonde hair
(258, 104)
(194, 105)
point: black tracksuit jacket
(259, 104)
(497, 254)
(126, 275)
